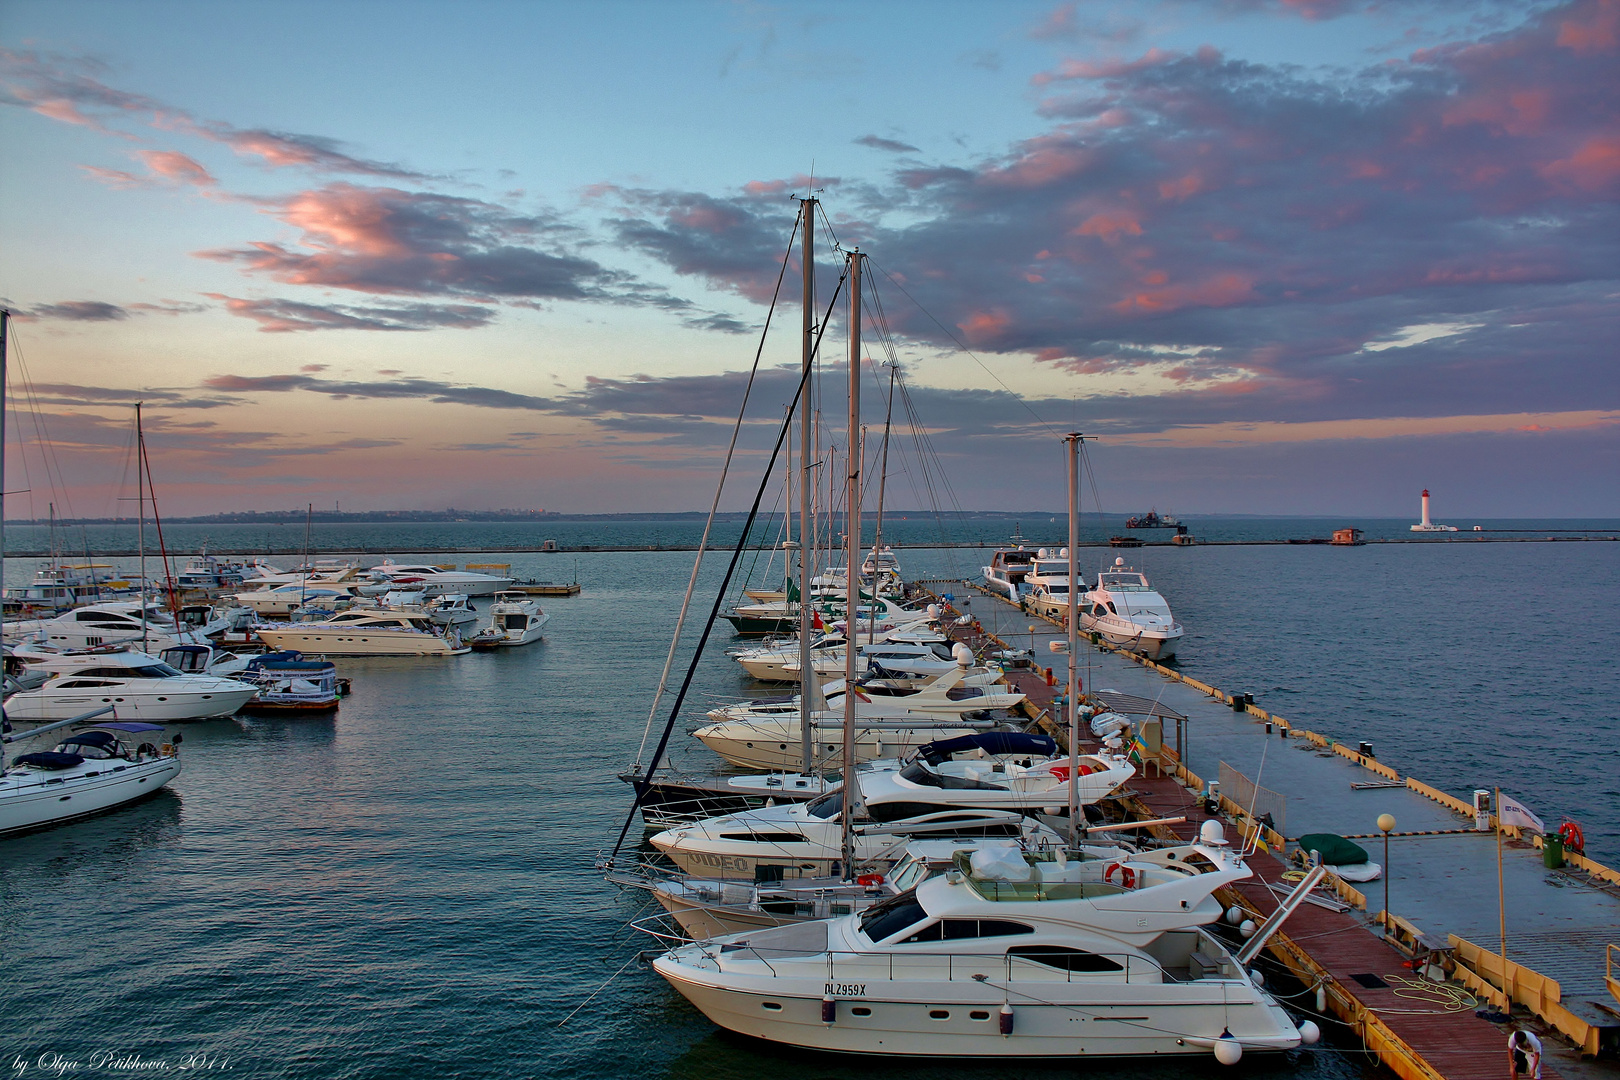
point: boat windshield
(888, 917)
(1122, 582)
(827, 806)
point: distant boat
(1151, 520)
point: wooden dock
(1355, 975)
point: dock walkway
(1442, 874)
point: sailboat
(89, 771)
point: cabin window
(888, 917)
(978, 1014)
(765, 837)
(964, 929)
(861, 1010)
(939, 1014)
(828, 806)
(773, 1006)
(1064, 958)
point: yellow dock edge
(1483, 970)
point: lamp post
(1386, 824)
(1032, 643)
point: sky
(1277, 256)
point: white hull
(531, 633)
(775, 744)
(48, 703)
(958, 1017)
(32, 799)
(1153, 644)
(356, 641)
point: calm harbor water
(406, 889)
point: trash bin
(1552, 852)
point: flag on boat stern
(1513, 812)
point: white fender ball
(1247, 928)
(1309, 1033)
(1228, 1051)
(1234, 915)
(1257, 976)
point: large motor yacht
(359, 632)
(137, 686)
(112, 623)
(436, 579)
(517, 618)
(1006, 955)
(88, 772)
(1046, 585)
(1007, 570)
(1126, 611)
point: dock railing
(1485, 972)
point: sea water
(407, 888)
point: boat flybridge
(136, 686)
(87, 773)
(780, 662)
(361, 632)
(1046, 585)
(287, 598)
(1007, 955)
(1125, 610)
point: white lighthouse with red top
(1426, 525)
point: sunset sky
(1280, 256)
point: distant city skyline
(1280, 256)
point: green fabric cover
(1336, 850)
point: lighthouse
(1426, 525)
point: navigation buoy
(1228, 1051)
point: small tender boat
(89, 772)
(287, 682)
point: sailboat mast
(787, 510)
(140, 516)
(1074, 439)
(883, 483)
(5, 329)
(807, 672)
(852, 545)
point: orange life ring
(1574, 840)
(1127, 876)
(869, 881)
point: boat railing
(853, 968)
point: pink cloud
(1222, 290)
(982, 327)
(1594, 30)
(1109, 226)
(1104, 69)
(173, 165)
(1594, 167)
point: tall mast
(787, 509)
(808, 684)
(852, 546)
(140, 515)
(1074, 439)
(5, 327)
(883, 480)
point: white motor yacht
(437, 579)
(282, 600)
(320, 572)
(204, 660)
(89, 772)
(780, 662)
(1005, 956)
(806, 839)
(112, 623)
(1007, 570)
(1046, 585)
(1126, 611)
(517, 618)
(137, 686)
(881, 572)
(360, 632)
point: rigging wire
(703, 543)
(644, 781)
(970, 353)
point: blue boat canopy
(49, 759)
(991, 742)
(131, 726)
(90, 738)
(282, 657)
